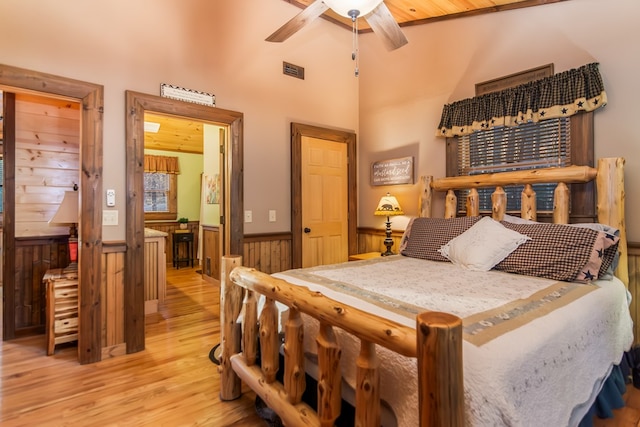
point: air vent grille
(293, 70)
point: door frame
(136, 105)
(91, 97)
(298, 131)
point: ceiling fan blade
(384, 25)
(296, 23)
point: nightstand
(62, 307)
(368, 255)
(185, 238)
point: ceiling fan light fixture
(343, 7)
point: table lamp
(67, 213)
(388, 206)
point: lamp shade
(342, 7)
(68, 210)
(388, 206)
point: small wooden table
(368, 255)
(186, 237)
(62, 307)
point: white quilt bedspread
(544, 371)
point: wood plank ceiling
(418, 12)
(174, 134)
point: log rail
(438, 339)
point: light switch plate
(109, 217)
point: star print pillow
(558, 252)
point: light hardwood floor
(171, 383)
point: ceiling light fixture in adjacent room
(151, 127)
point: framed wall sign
(393, 171)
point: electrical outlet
(272, 216)
(248, 216)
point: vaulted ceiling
(177, 134)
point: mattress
(534, 349)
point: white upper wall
(218, 46)
(214, 46)
(402, 92)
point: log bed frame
(436, 341)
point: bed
(538, 342)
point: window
(553, 142)
(528, 146)
(160, 188)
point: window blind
(528, 146)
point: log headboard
(609, 177)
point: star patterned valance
(560, 95)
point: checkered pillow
(558, 252)
(424, 236)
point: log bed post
(329, 376)
(367, 386)
(294, 376)
(528, 203)
(498, 203)
(561, 204)
(610, 206)
(440, 390)
(230, 306)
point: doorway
(299, 134)
(90, 227)
(136, 106)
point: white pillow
(483, 245)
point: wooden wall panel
(33, 258)
(372, 240)
(112, 297)
(169, 227)
(269, 253)
(47, 161)
(211, 252)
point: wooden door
(331, 147)
(324, 202)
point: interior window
(160, 196)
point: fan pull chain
(354, 54)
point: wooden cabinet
(211, 252)
(62, 307)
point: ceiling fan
(375, 12)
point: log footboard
(436, 343)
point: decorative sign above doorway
(187, 95)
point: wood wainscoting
(372, 240)
(112, 297)
(27, 302)
(269, 253)
(169, 227)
